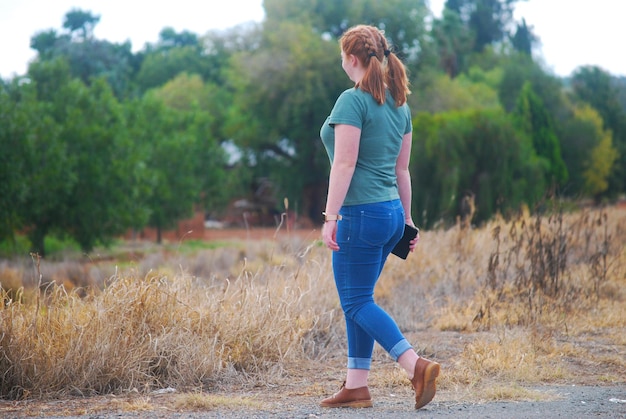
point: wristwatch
(331, 217)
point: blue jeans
(366, 235)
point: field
(505, 308)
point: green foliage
(437, 92)
(619, 84)
(587, 151)
(36, 179)
(168, 162)
(474, 150)
(159, 67)
(86, 56)
(404, 21)
(94, 58)
(101, 203)
(519, 69)
(43, 42)
(96, 138)
(19, 245)
(175, 187)
(184, 162)
(488, 20)
(204, 104)
(79, 160)
(14, 123)
(454, 42)
(185, 52)
(77, 20)
(595, 86)
(170, 39)
(600, 165)
(534, 120)
(523, 40)
(61, 245)
(184, 92)
(56, 247)
(283, 93)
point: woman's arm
(404, 176)
(347, 140)
(404, 182)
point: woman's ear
(353, 60)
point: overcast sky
(572, 33)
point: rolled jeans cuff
(400, 348)
(359, 363)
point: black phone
(402, 247)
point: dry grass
(503, 307)
(204, 402)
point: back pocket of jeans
(375, 228)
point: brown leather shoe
(357, 397)
(423, 381)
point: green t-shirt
(382, 128)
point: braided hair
(383, 69)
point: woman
(368, 140)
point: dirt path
(570, 402)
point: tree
(175, 128)
(88, 57)
(407, 30)
(171, 162)
(184, 52)
(524, 39)
(588, 152)
(436, 92)
(535, 121)
(160, 67)
(88, 187)
(102, 205)
(454, 42)
(44, 43)
(174, 53)
(600, 166)
(95, 58)
(204, 103)
(283, 92)
(594, 86)
(472, 150)
(11, 174)
(40, 176)
(487, 19)
(619, 83)
(168, 38)
(518, 69)
(27, 139)
(80, 23)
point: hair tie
(372, 54)
(387, 52)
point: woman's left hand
(329, 235)
(413, 243)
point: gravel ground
(571, 402)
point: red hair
(383, 69)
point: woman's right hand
(329, 235)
